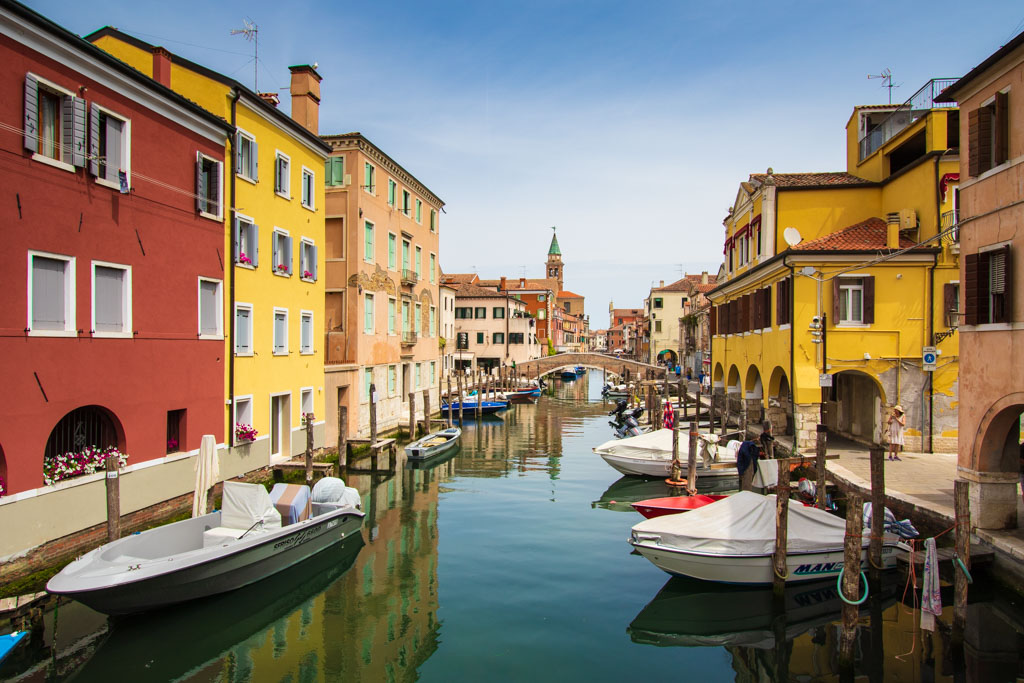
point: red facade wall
(153, 229)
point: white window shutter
(78, 138)
(200, 185)
(94, 140)
(312, 269)
(31, 113)
(255, 255)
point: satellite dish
(792, 236)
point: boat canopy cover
(744, 524)
(245, 504)
(656, 444)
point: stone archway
(718, 377)
(668, 355)
(995, 465)
(855, 406)
(734, 390)
(779, 405)
(753, 395)
(84, 429)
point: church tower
(554, 263)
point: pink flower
(308, 275)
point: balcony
(919, 104)
(408, 338)
(950, 221)
(409, 277)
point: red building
(113, 257)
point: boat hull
(416, 451)
(751, 569)
(243, 563)
(487, 408)
(658, 507)
(661, 467)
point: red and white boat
(656, 507)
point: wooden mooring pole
(851, 583)
(308, 419)
(113, 499)
(479, 395)
(412, 416)
(342, 437)
(962, 512)
(449, 395)
(780, 570)
(876, 454)
(373, 414)
(459, 378)
(426, 411)
(691, 458)
(819, 466)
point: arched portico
(994, 464)
(753, 395)
(855, 406)
(779, 405)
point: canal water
(508, 561)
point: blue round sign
(929, 358)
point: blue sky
(627, 125)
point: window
(417, 376)
(658, 303)
(306, 332)
(308, 189)
(463, 313)
(369, 178)
(246, 156)
(657, 326)
(209, 195)
(334, 172)
(498, 338)
(282, 248)
(210, 306)
(479, 337)
(109, 148)
(951, 304)
(243, 410)
(368, 242)
(368, 314)
(247, 241)
(988, 286)
(480, 312)
(176, 420)
(307, 260)
(405, 315)
(515, 338)
(55, 124)
(392, 251)
(306, 401)
(406, 202)
(498, 313)
(419, 259)
(367, 381)
(540, 298)
(280, 331)
(392, 380)
(783, 290)
(392, 189)
(433, 267)
(542, 314)
(433, 220)
(405, 256)
(282, 169)
(433, 373)
(419, 316)
(988, 134)
(853, 300)
(419, 211)
(51, 294)
(392, 312)
(433, 321)
(243, 330)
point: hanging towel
(931, 599)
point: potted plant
(243, 259)
(245, 433)
(89, 460)
(282, 268)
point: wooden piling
(459, 377)
(691, 458)
(308, 419)
(819, 466)
(962, 512)
(113, 499)
(851, 583)
(412, 416)
(373, 414)
(743, 424)
(725, 413)
(876, 454)
(674, 477)
(342, 437)
(449, 395)
(479, 396)
(426, 411)
(684, 396)
(780, 570)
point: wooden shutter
(766, 307)
(949, 305)
(214, 204)
(835, 301)
(94, 140)
(79, 138)
(67, 128)
(1001, 126)
(200, 184)
(312, 256)
(238, 239)
(998, 280)
(255, 255)
(971, 287)
(31, 113)
(713, 320)
(869, 299)
(1008, 286)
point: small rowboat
(523, 395)
(656, 507)
(486, 407)
(433, 444)
(568, 374)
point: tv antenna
(251, 33)
(886, 77)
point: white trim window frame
(851, 301)
(247, 156)
(245, 349)
(247, 242)
(308, 198)
(307, 260)
(280, 332)
(369, 183)
(282, 174)
(50, 129)
(101, 128)
(214, 317)
(242, 410)
(304, 405)
(120, 310)
(207, 181)
(281, 251)
(65, 307)
(306, 333)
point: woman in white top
(897, 421)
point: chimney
(522, 283)
(305, 91)
(892, 235)
(504, 284)
(270, 98)
(162, 66)
(662, 283)
(704, 278)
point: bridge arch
(547, 365)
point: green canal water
(508, 561)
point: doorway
(280, 426)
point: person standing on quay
(897, 421)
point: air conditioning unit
(908, 219)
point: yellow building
(835, 283)
(274, 229)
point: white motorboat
(732, 541)
(650, 455)
(221, 551)
(433, 444)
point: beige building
(447, 321)
(682, 301)
(991, 319)
(492, 329)
(382, 281)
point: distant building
(492, 329)
(681, 301)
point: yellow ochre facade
(834, 284)
(273, 199)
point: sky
(628, 126)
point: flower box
(89, 460)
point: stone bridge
(612, 365)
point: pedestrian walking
(897, 421)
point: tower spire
(553, 265)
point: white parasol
(207, 473)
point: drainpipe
(931, 311)
(792, 349)
(230, 263)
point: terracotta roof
(472, 290)
(810, 179)
(512, 284)
(704, 289)
(627, 312)
(459, 278)
(869, 235)
(565, 294)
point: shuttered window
(208, 186)
(783, 292)
(950, 304)
(334, 171)
(988, 135)
(247, 239)
(243, 330)
(988, 287)
(54, 122)
(51, 299)
(282, 253)
(280, 332)
(111, 298)
(282, 175)
(308, 260)
(368, 242)
(368, 314)
(392, 312)
(308, 198)
(306, 333)
(246, 156)
(853, 300)
(209, 308)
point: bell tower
(553, 267)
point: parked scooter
(627, 421)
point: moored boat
(242, 543)
(650, 455)
(656, 507)
(433, 444)
(568, 374)
(522, 395)
(469, 406)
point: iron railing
(409, 276)
(409, 337)
(919, 104)
(950, 219)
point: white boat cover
(656, 445)
(744, 524)
(245, 504)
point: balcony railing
(408, 338)
(950, 219)
(409, 277)
(919, 104)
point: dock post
(779, 568)
(691, 458)
(962, 512)
(479, 397)
(743, 424)
(819, 465)
(449, 395)
(675, 472)
(725, 413)
(412, 416)
(342, 437)
(373, 414)
(426, 411)
(308, 419)
(877, 509)
(113, 499)
(684, 395)
(851, 584)
(459, 379)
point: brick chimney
(305, 91)
(162, 66)
(504, 285)
(270, 98)
(522, 283)
(662, 283)
(704, 277)
(892, 233)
